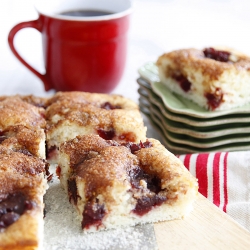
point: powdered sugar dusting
(63, 228)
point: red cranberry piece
(153, 182)
(72, 189)
(185, 84)
(49, 178)
(58, 172)
(147, 144)
(12, 208)
(47, 172)
(145, 204)
(127, 137)
(135, 175)
(9, 218)
(93, 214)
(29, 205)
(214, 99)
(218, 55)
(135, 147)
(13, 203)
(109, 106)
(50, 152)
(106, 134)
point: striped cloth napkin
(224, 178)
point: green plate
(229, 120)
(220, 132)
(178, 148)
(177, 104)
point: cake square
(14, 111)
(76, 113)
(22, 186)
(214, 78)
(22, 125)
(29, 141)
(115, 184)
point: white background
(157, 26)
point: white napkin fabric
(224, 178)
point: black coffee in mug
(85, 13)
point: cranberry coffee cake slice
(213, 78)
(115, 184)
(22, 172)
(22, 186)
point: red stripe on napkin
(214, 185)
(216, 179)
(201, 173)
(225, 183)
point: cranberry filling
(93, 214)
(12, 208)
(129, 136)
(51, 152)
(218, 55)
(47, 172)
(58, 171)
(153, 183)
(49, 178)
(145, 203)
(3, 136)
(72, 190)
(109, 106)
(214, 99)
(135, 147)
(185, 84)
(106, 134)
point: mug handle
(36, 24)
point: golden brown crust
(95, 99)
(115, 163)
(14, 111)
(20, 138)
(72, 104)
(40, 102)
(18, 170)
(31, 99)
(81, 147)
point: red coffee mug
(81, 53)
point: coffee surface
(85, 13)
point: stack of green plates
(186, 127)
